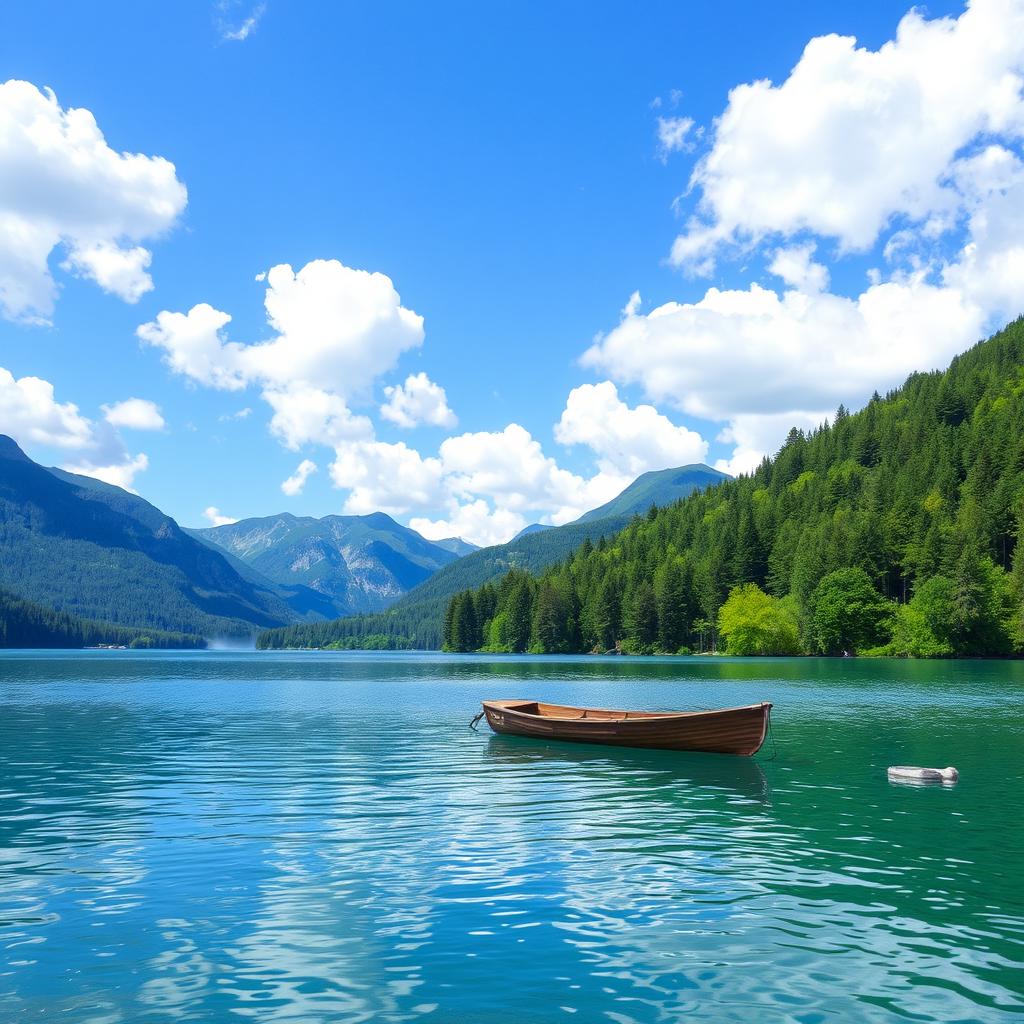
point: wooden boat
(728, 731)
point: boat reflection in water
(647, 772)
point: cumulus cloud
(305, 414)
(856, 139)
(487, 482)
(628, 441)
(856, 150)
(297, 481)
(62, 186)
(384, 477)
(134, 414)
(797, 268)
(418, 400)
(475, 520)
(757, 435)
(195, 346)
(755, 351)
(336, 330)
(31, 414)
(120, 474)
(216, 518)
(507, 466)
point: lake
(317, 837)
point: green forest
(28, 624)
(891, 531)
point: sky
(480, 265)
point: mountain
(659, 487)
(77, 545)
(532, 528)
(897, 530)
(457, 546)
(359, 563)
(416, 619)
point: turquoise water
(320, 838)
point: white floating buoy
(903, 773)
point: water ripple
(209, 837)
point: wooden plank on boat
(725, 731)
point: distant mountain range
(415, 619)
(78, 547)
(360, 563)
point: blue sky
(517, 173)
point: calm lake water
(320, 838)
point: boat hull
(738, 731)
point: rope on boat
(472, 724)
(771, 736)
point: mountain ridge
(416, 617)
(359, 563)
(95, 551)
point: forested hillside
(893, 530)
(96, 551)
(27, 624)
(416, 619)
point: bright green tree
(847, 613)
(753, 622)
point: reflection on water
(320, 838)
(641, 774)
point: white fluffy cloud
(304, 414)
(488, 482)
(30, 413)
(854, 149)
(418, 400)
(120, 474)
(756, 435)
(757, 352)
(195, 346)
(475, 521)
(336, 330)
(390, 478)
(62, 185)
(508, 467)
(760, 351)
(297, 481)
(134, 414)
(627, 441)
(216, 517)
(855, 139)
(797, 268)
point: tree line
(28, 624)
(894, 530)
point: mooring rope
(771, 736)
(472, 724)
